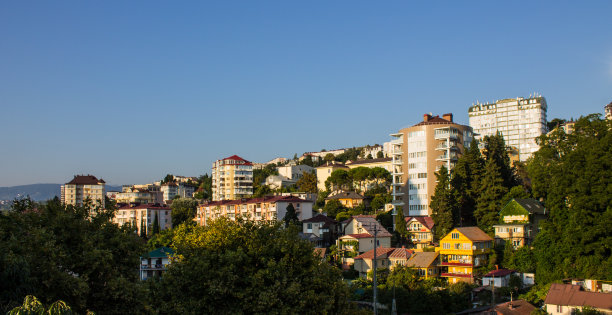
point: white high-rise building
(520, 121)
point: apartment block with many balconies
(84, 187)
(417, 154)
(521, 121)
(232, 178)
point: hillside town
(440, 210)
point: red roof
(320, 218)
(237, 158)
(499, 273)
(85, 180)
(571, 295)
(151, 206)
(435, 120)
(427, 222)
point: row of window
(417, 165)
(417, 207)
(417, 154)
(417, 175)
(417, 186)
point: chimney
(426, 117)
(448, 117)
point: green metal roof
(160, 252)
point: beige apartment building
(418, 153)
(232, 178)
(255, 209)
(140, 195)
(83, 187)
(521, 121)
(143, 217)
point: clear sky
(130, 91)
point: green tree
(465, 181)
(369, 157)
(329, 157)
(168, 179)
(156, 224)
(507, 259)
(291, 216)
(333, 207)
(489, 202)
(359, 177)
(380, 155)
(307, 183)
(573, 174)
(339, 179)
(516, 192)
(443, 205)
(183, 210)
(495, 149)
(72, 253)
(400, 226)
(31, 305)
(204, 190)
(267, 268)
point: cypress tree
(156, 224)
(495, 149)
(465, 178)
(143, 229)
(492, 192)
(291, 216)
(400, 225)
(443, 205)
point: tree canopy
(265, 267)
(183, 210)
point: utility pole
(375, 286)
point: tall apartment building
(81, 187)
(520, 121)
(608, 111)
(134, 194)
(418, 152)
(232, 178)
(171, 189)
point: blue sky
(130, 91)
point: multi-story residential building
(608, 111)
(232, 178)
(520, 221)
(143, 216)
(462, 250)
(519, 120)
(83, 187)
(325, 170)
(385, 258)
(418, 152)
(256, 209)
(131, 194)
(172, 189)
(275, 161)
(372, 150)
(420, 231)
(323, 228)
(294, 172)
(155, 263)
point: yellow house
(426, 263)
(325, 170)
(462, 250)
(348, 199)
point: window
(455, 236)
(446, 245)
(309, 226)
(457, 245)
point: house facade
(565, 299)
(462, 250)
(348, 199)
(426, 263)
(155, 263)
(358, 237)
(322, 227)
(420, 231)
(520, 221)
(325, 170)
(385, 258)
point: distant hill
(38, 192)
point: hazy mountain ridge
(38, 192)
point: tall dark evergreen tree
(443, 205)
(465, 178)
(143, 229)
(156, 224)
(400, 226)
(291, 216)
(492, 191)
(495, 149)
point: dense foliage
(240, 267)
(183, 210)
(572, 173)
(69, 253)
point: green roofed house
(520, 221)
(154, 263)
